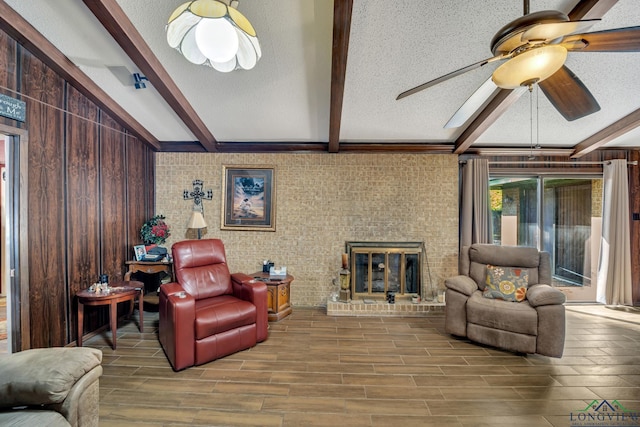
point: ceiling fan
(534, 48)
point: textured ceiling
(393, 46)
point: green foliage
(155, 231)
(496, 199)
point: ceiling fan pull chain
(538, 117)
(531, 121)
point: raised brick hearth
(383, 308)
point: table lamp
(197, 222)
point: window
(560, 215)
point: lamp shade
(210, 32)
(529, 67)
(197, 220)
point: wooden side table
(119, 292)
(148, 267)
(278, 295)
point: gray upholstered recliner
(50, 387)
(534, 325)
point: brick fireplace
(402, 308)
(378, 268)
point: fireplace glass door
(379, 268)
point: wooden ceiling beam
(26, 35)
(611, 132)
(341, 31)
(397, 147)
(117, 23)
(585, 9)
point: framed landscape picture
(248, 198)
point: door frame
(17, 225)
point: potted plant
(155, 231)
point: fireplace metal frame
(386, 248)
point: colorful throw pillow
(506, 283)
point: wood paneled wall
(91, 186)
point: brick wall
(322, 201)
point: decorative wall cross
(198, 195)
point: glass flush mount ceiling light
(529, 67)
(214, 33)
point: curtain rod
(541, 162)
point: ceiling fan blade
(476, 101)
(569, 95)
(450, 75)
(472, 104)
(553, 30)
(616, 40)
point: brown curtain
(475, 211)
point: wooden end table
(278, 295)
(149, 267)
(118, 292)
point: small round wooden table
(118, 292)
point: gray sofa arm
(63, 379)
(463, 284)
(81, 407)
(540, 294)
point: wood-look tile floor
(316, 370)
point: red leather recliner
(209, 313)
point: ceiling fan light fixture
(214, 33)
(531, 66)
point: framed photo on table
(140, 252)
(248, 198)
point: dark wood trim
(585, 9)
(519, 151)
(521, 161)
(311, 147)
(181, 147)
(244, 147)
(14, 25)
(341, 31)
(600, 138)
(270, 147)
(395, 147)
(116, 22)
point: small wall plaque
(12, 108)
